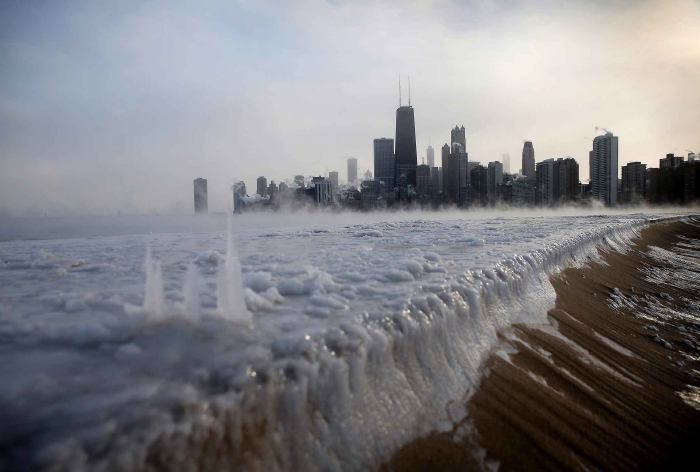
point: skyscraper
(566, 185)
(262, 186)
(528, 159)
(546, 179)
(352, 171)
(506, 163)
(384, 161)
(459, 135)
(633, 182)
(445, 169)
(201, 199)
(494, 179)
(405, 151)
(238, 194)
(422, 179)
(603, 168)
(333, 177)
(430, 156)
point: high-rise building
(523, 192)
(445, 157)
(462, 161)
(566, 183)
(670, 162)
(299, 181)
(384, 162)
(238, 194)
(528, 159)
(459, 135)
(333, 177)
(434, 181)
(430, 156)
(201, 199)
(470, 166)
(272, 190)
(506, 163)
(405, 151)
(352, 171)
(422, 179)
(478, 179)
(323, 191)
(634, 182)
(546, 181)
(262, 186)
(494, 180)
(603, 168)
(692, 157)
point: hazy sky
(108, 106)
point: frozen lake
(364, 327)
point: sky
(110, 107)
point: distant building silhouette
(670, 162)
(430, 156)
(445, 158)
(262, 186)
(299, 181)
(459, 135)
(352, 171)
(422, 179)
(603, 168)
(506, 163)
(479, 184)
(523, 192)
(239, 192)
(528, 159)
(434, 182)
(494, 180)
(405, 151)
(567, 185)
(323, 190)
(634, 176)
(201, 199)
(333, 177)
(545, 176)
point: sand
(599, 387)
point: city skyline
(82, 134)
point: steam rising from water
(154, 300)
(230, 289)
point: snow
(335, 344)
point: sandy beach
(611, 382)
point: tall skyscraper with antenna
(430, 156)
(405, 147)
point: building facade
(201, 198)
(603, 169)
(352, 171)
(423, 179)
(430, 156)
(261, 186)
(405, 145)
(528, 163)
(384, 162)
(634, 182)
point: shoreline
(599, 386)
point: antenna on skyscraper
(399, 90)
(409, 90)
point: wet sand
(598, 387)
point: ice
(316, 342)
(153, 301)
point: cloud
(118, 107)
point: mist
(108, 109)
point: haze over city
(108, 108)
